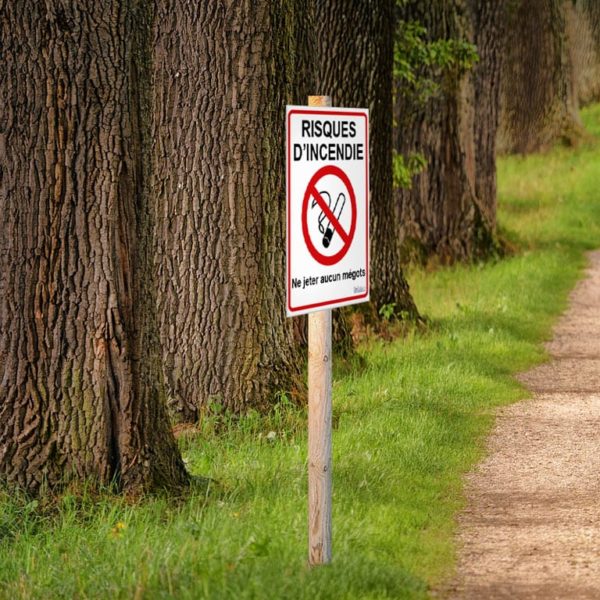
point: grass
(408, 425)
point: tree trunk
(539, 104)
(81, 392)
(223, 75)
(583, 32)
(489, 19)
(441, 215)
(355, 50)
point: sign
(327, 208)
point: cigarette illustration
(325, 226)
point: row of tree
(537, 61)
(142, 194)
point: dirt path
(532, 525)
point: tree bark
(223, 74)
(539, 105)
(81, 392)
(583, 32)
(489, 19)
(355, 51)
(441, 215)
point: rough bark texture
(489, 19)
(355, 50)
(583, 32)
(441, 215)
(538, 99)
(81, 393)
(223, 74)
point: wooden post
(319, 425)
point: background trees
(539, 103)
(441, 213)
(583, 32)
(355, 68)
(488, 19)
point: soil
(531, 528)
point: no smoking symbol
(334, 227)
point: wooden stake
(319, 425)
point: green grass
(408, 425)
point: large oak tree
(81, 392)
(488, 22)
(223, 75)
(539, 104)
(583, 33)
(449, 210)
(355, 51)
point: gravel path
(532, 525)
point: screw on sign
(329, 218)
(327, 266)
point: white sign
(327, 208)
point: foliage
(420, 66)
(407, 427)
(406, 167)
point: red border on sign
(300, 111)
(311, 190)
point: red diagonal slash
(329, 214)
(311, 192)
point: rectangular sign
(327, 208)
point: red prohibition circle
(347, 237)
